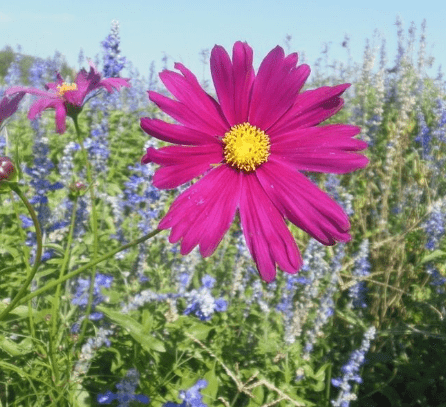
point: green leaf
(14, 348)
(135, 329)
(435, 255)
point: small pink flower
(68, 99)
(9, 105)
(249, 150)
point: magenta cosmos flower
(9, 105)
(66, 98)
(249, 149)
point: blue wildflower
(191, 397)
(126, 391)
(351, 371)
(82, 293)
(361, 269)
(434, 226)
(113, 61)
(202, 303)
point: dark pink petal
(175, 133)
(233, 80)
(32, 91)
(85, 84)
(275, 88)
(303, 203)
(9, 105)
(243, 74)
(321, 149)
(113, 84)
(186, 89)
(204, 212)
(186, 116)
(267, 236)
(41, 104)
(61, 117)
(329, 161)
(53, 85)
(311, 108)
(182, 164)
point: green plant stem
(87, 266)
(94, 227)
(55, 310)
(28, 270)
(19, 295)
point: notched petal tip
(146, 157)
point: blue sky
(181, 29)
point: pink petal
(303, 203)
(186, 89)
(9, 105)
(267, 237)
(275, 88)
(186, 116)
(311, 108)
(61, 117)
(175, 133)
(31, 91)
(182, 164)
(204, 212)
(113, 84)
(233, 81)
(42, 104)
(322, 149)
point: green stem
(19, 295)
(55, 310)
(94, 227)
(74, 273)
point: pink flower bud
(7, 170)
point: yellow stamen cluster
(246, 147)
(65, 87)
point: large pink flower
(249, 149)
(68, 99)
(9, 105)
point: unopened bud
(78, 186)
(76, 189)
(7, 173)
(7, 169)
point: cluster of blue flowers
(191, 397)
(126, 391)
(357, 292)
(350, 371)
(82, 293)
(127, 387)
(113, 61)
(201, 302)
(326, 306)
(434, 226)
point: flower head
(68, 98)
(249, 149)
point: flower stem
(32, 273)
(94, 226)
(74, 273)
(55, 309)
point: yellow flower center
(65, 87)
(246, 147)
